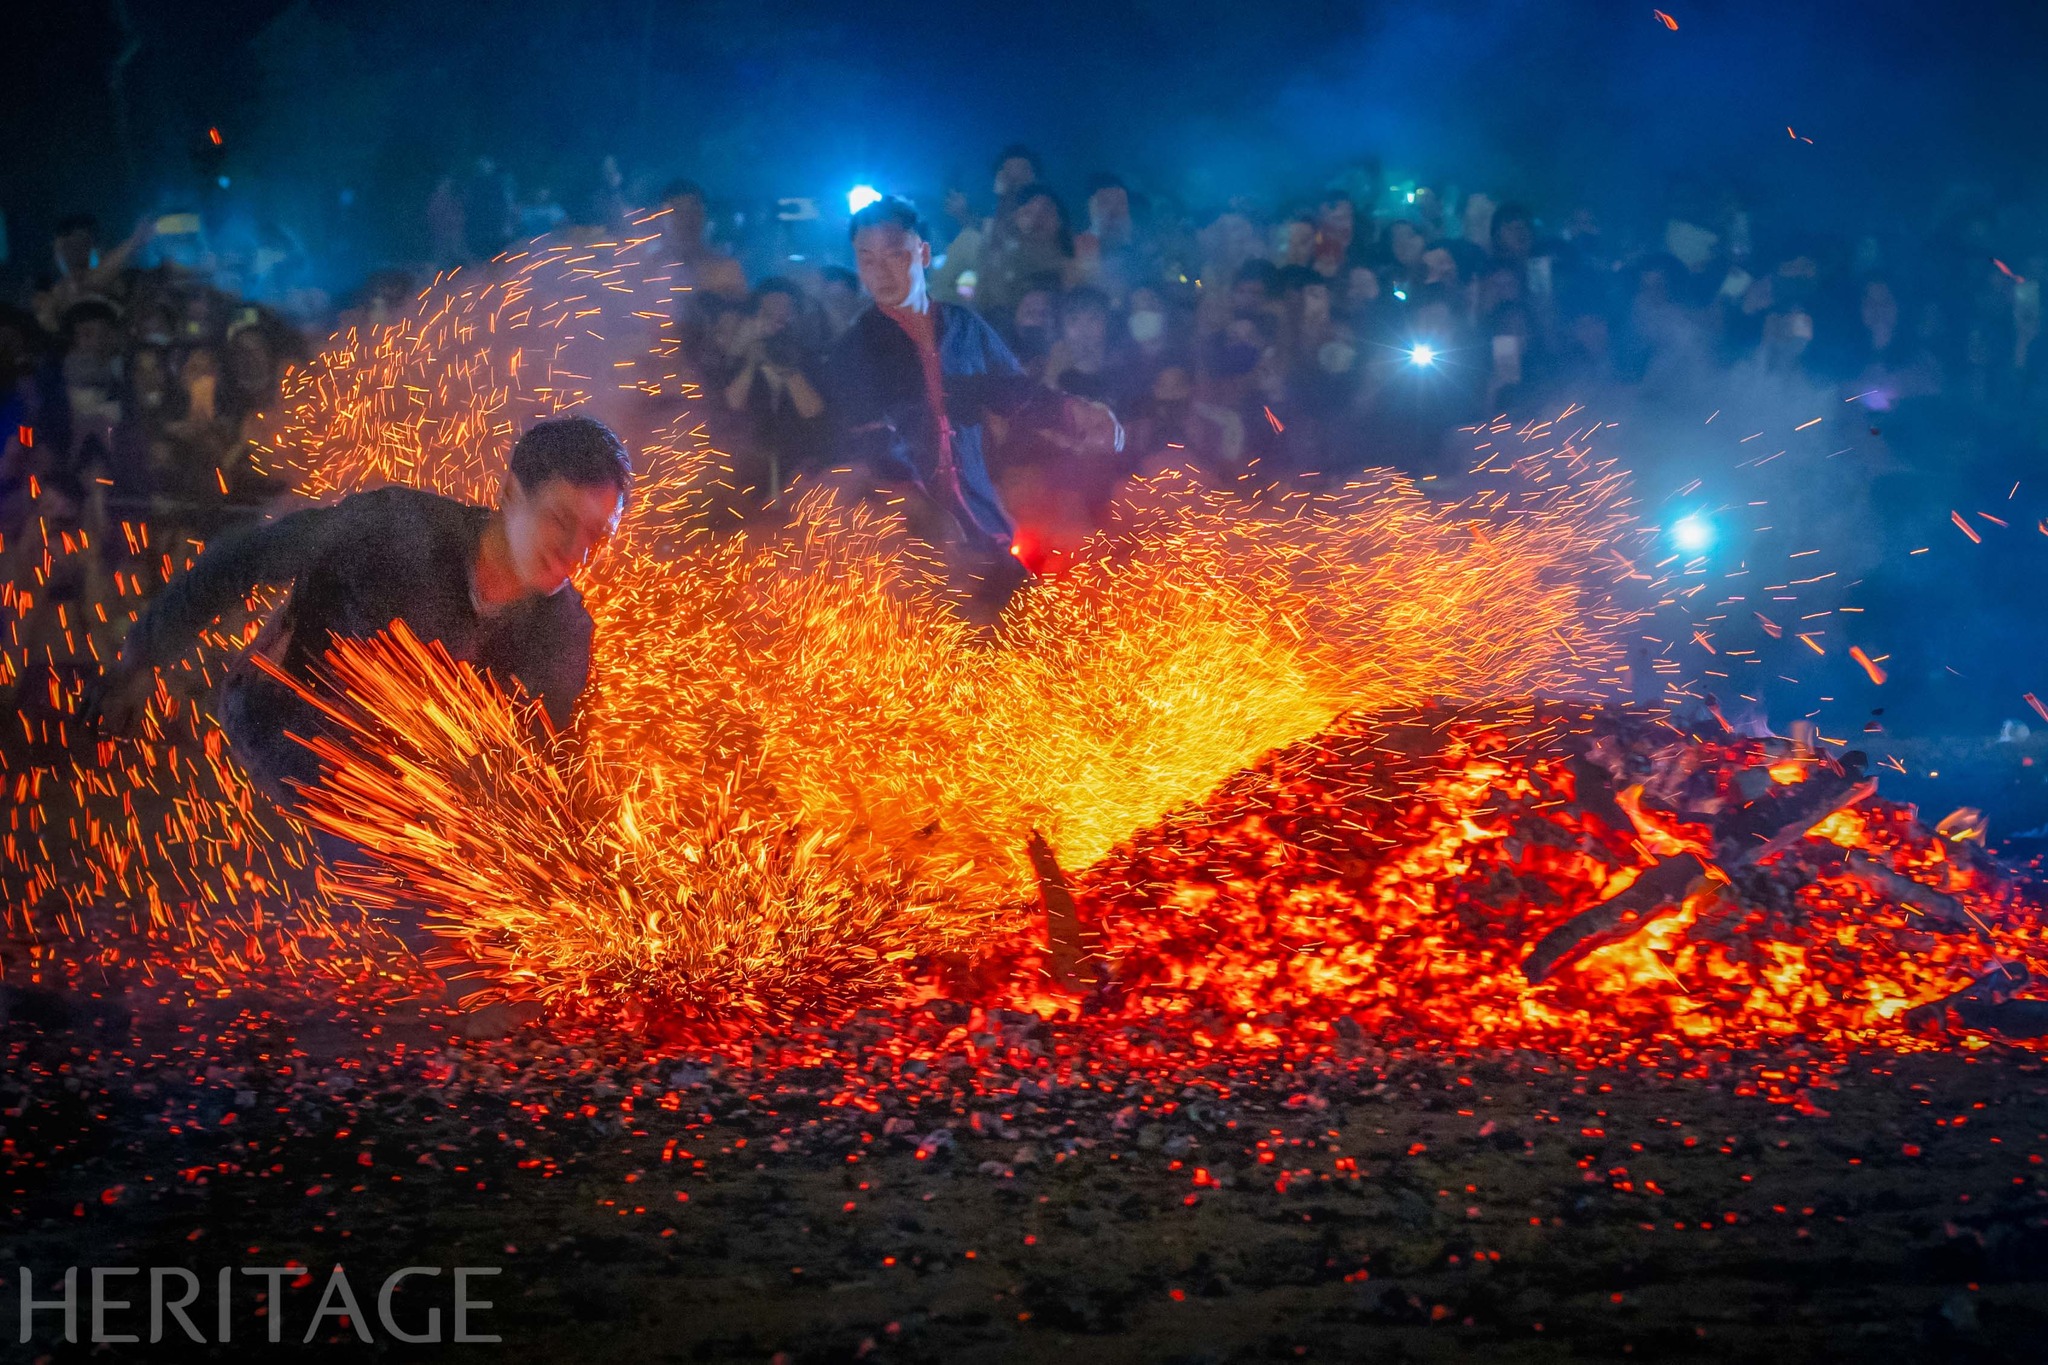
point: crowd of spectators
(133, 390)
(1357, 326)
(1344, 331)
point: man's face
(1407, 244)
(1015, 174)
(552, 530)
(1109, 209)
(1315, 304)
(777, 310)
(890, 259)
(1086, 331)
(1339, 219)
(1514, 239)
(1035, 310)
(1037, 218)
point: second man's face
(889, 259)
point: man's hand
(1094, 426)
(957, 209)
(115, 707)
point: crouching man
(491, 585)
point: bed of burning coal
(955, 1179)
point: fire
(811, 689)
(1339, 891)
(802, 780)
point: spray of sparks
(800, 774)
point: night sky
(1555, 103)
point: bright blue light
(860, 196)
(1422, 353)
(1692, 534)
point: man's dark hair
(1084, 299)
(1291, 278)
(76, 222)
(1513, 213)
(839, 274)
(1259, 269)
(683, 189)
(580, 450)
(1018, 149)
(890, 208)
(779, 284)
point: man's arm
(554, 663)
(1001, 388)
(276, 552)
(1004, 390)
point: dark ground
(873, 1194)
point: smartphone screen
(177, 225)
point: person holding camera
(775, 390)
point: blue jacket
(881, 418)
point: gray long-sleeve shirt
(395, 554)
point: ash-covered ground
(951, 1184)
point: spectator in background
(81, 272)
(705, 266)
(1148, 325)
(839, 298)
(707, 282)
(1112, 255)
(1336, 241)
(978, 241)
(92, 372)
(1294, 242)
(1039, 244)
(1882, 366)
(1034, 325)
(1172, 428)
(1405, 247)
(1322, 381)
(1079, 362)
(1058, 489)
(777, 390)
